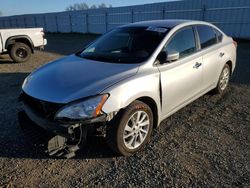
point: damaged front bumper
(68, 136)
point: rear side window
(207, 36)
(219, 35)
(182, 42)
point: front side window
(182, 42)
(207, 36)
(125, 45)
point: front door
(181, 80)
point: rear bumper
(41, 47)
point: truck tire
(20, 52)
(130, 129)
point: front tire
(20, 52)
(223, 80)
(131, 128)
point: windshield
(125, 45)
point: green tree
(85, 6)
(103, 5)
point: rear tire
(20, 52)
(131, 128)
(223, 80)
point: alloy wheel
(136, 130)
(224, 79)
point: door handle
(222, 54)
(197, 65)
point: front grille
(42, 108)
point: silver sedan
(128, 81)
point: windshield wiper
(95, 57)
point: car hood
(72, 78)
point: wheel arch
(230, 64)
(153, 106)
(19, 38)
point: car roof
(168, 23)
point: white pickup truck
(20, 43)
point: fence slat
(230, 15)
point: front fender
(127, 91)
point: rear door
(212, 55)
(181, 80)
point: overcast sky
(16, 7)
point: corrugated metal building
(232, 16)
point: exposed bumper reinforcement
(68, 138)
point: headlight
(83, 110)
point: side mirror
(162, 57)
(173, 56)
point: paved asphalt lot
(206, 144)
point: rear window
(207, 36)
